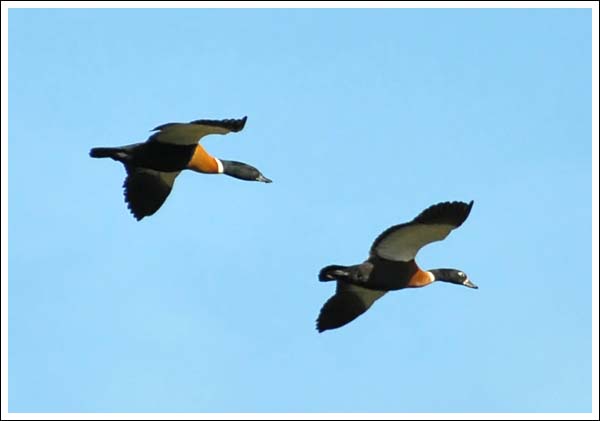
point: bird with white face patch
(391, 265)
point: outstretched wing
(349, 302)
(146, 190)
(402, 242)
(190, 133)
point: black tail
(333, 272)
(104, 152)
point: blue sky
(362, 118)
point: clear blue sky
(362, 118)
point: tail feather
(104, 152)
(333, 272)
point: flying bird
(153, 165)
(391, 265)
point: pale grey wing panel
(146, 190)
(190, 133)
(185, 134)
(402, 242)
(349, 302)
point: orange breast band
(203, 162)
(420, 279)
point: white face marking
(461, 274)
(219, 166)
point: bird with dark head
(243, 171)
(153, 165)
(391, 265)
(453, 276)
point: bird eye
(461, 274)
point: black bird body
(377, 273)
(391, 265)
(153, 155)
(153, 166)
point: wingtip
(134, 212)
(243, 123)
(160, 127)
(469, 207)
(138, 216)
(318, 327)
